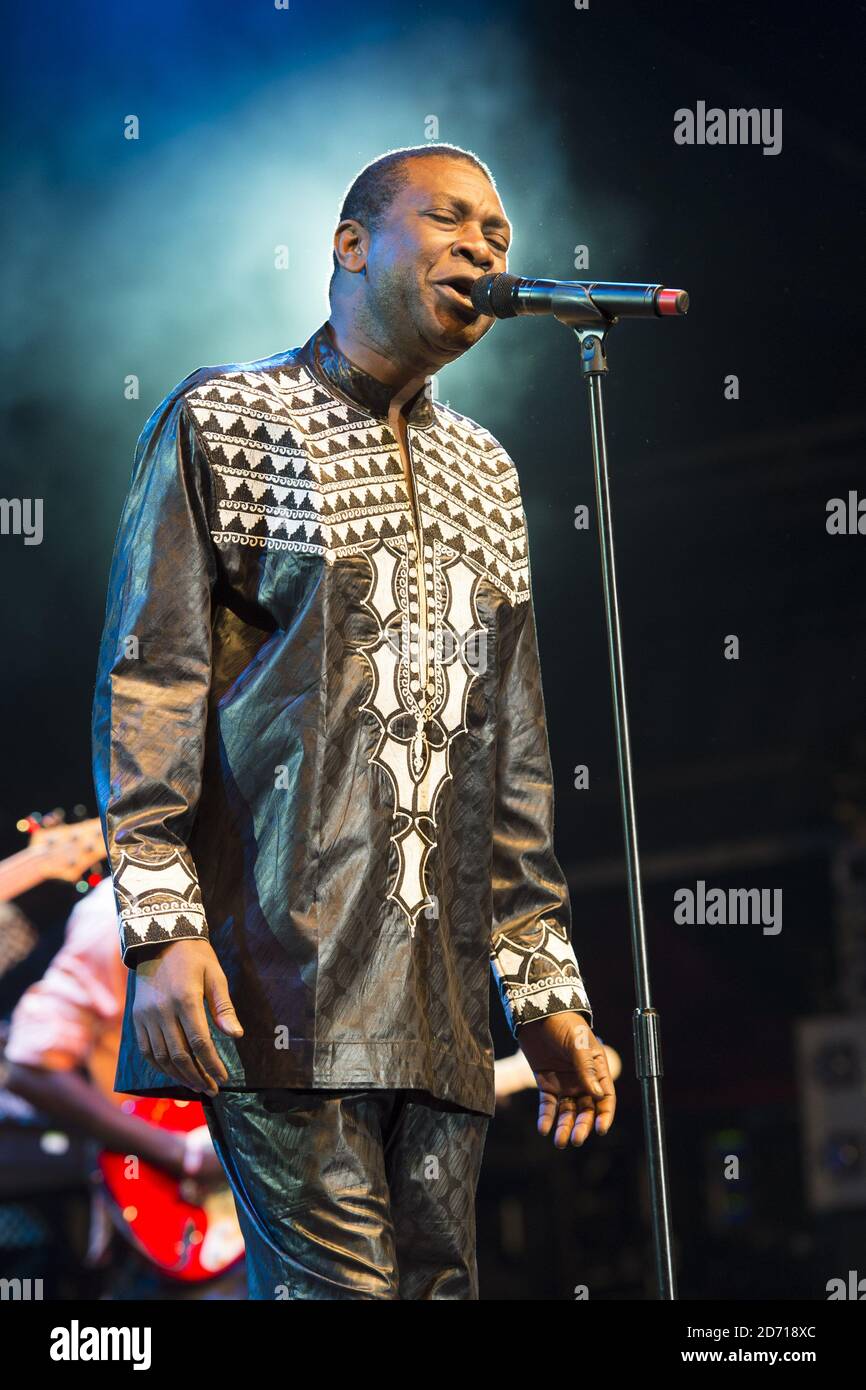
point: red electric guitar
(186, 1227)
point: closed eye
(447, 217)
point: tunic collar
(333, 368)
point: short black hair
(373, 190)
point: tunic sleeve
(531, 953)
(153, 679)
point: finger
(591, 1067)
(142, 1039)
(605, 1110)
(193, 1021)
(198, 1047)
(160, 1054)
(605, 1107)
(583, 1123)
(603, 1069)
(180, 1058)
(565, 1122)
(222, 1010)
(145, 1043)
(546, 1112)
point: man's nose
(476, 250)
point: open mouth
(457, 289)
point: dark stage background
(149, 257)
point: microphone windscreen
(492, 295)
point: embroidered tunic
(319, 730)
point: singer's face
(446, 223)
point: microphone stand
(591, 328)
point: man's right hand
(171, 1025)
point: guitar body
(187, 1228)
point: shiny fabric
(352, 1195)
(319, 730)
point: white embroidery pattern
(298, 468)
(158, 899)
(537, 973)
(419, 721)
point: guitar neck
(24, 870)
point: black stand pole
(645, 1024)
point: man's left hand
(573, 1078)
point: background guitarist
(62, 1049)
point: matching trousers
(352, 1194)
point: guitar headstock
(66, 850)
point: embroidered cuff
(537, 974)
(158, 899)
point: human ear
(351, 244)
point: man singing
(321, 756)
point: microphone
(583, 302)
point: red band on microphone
(672, 302)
